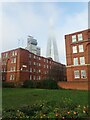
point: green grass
(16, 97)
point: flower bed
(43, 109)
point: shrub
(28, 84)
(8, 84)
(44, 109)
(43, 84)
(49, 84)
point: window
(47, 66)
(76, 74)
(74, 49)
(74, 38)
(39, 58)
(34, 56)
(4, 69)
(6, 55)
(3, 77)
(29, 62)
(30, 77)
(81, 48)
(14, 60)
(34, 77)
(34, 70)
(15, 52)
(47, 61)
(75, 61)
(12, 53)
(44, 60)
(50, 67)
(82, 60)
(30, 69)
(39, 64)
(14, 68)
(34, 63)
(11, 69)
(11, 77)
(39, 78)
(30, 55)
(80, 37)
(83, 74)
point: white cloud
(73, 24)
(27, 22)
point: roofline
(33, 54)
(78, 32)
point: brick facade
(19, 65)
(78, 56)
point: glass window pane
(82, 60)
(74, 38)
(76, 74)
(81, 48)
(83, 74)
(80, 37)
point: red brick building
(78, 56)
(19, 65)
(78, 60)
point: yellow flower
(63, 117)
(57, 115)
(68, 112)
(84, 111)
(75, 113)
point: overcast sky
(20, 19)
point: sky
(20, 19)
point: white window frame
(82, 60)
(39, 71)
(15, 53)
(11, 69)
(11, 77)
(14, 68)
(74, 38)
(80, 37)
(39, 64)
(81, 49)
(76, 74)
(75, 60)
(83, 72)
(30, 69)
(14, 60)
(74, 49)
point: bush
(44, 109)
(44, 84)
(28, 84)
(8, 84)
(49, 84)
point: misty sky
(20, 19)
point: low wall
(79, 85)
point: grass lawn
(16, 97)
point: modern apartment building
(19, 65)
(78, 56)
(32, 46)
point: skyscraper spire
(52, 50)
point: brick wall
(81, 85)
